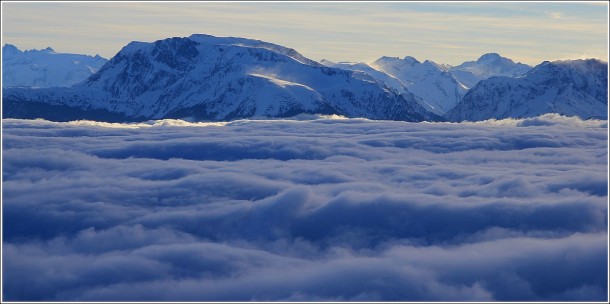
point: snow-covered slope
(571, 88)
(436, 88)
(492, 64)
(379, 76)
(45, 68)
(212, 78)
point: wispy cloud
(323, 30)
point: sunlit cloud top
(443, 32)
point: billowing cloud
(306, 210)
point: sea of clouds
(305, 210)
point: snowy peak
(384, 60)
(488, 65)
(411, 60)
(571, 87)
(436, 89)
(46, 68)
(490, 57)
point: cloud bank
(305, 210)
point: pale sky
(445, 32)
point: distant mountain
(571, 88)
(437, 88)
(46, 68)
(211, 78)
(492, 64)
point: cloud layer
(325, 209)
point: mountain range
(571, 88)
(203, 77)
(46, 68)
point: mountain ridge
(203, 77)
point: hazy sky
(443, 32)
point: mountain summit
(488, 65)
(490, 57)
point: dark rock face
(177, 53)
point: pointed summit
(385, 59)
(9, 49)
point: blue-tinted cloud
(327, 209)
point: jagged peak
(411, 60)
(431, 63)
(9, 49)
(9, 46)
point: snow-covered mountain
(214, 78)
(492, 64)
(438, 89)
(377, 75)
(46, 68)
(571, 88)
